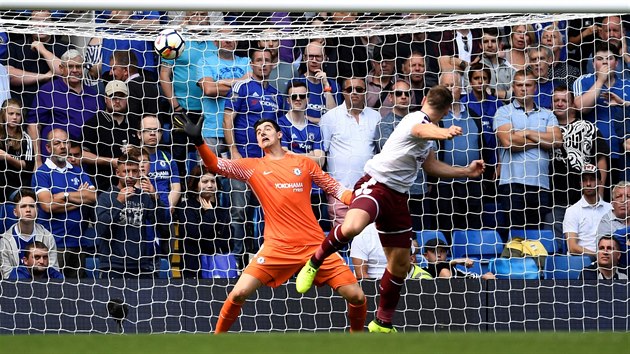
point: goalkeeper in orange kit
(282, 183)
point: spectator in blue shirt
(251, 99)
(125, 216)
(458, 200)
(217, 73)
(527, 134)
(483, 106)
(603, 98)
(612, 31)
(163, 174)
(323, 94)
(62, 192)
(539, 61)
(64, 103)
(301, 136)
(35, 264)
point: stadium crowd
(92, 168)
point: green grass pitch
(324, 343)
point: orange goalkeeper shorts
(275, 265)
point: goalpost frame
(531, 6)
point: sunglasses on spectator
(295, 96)
(400, 93)
(355, 89)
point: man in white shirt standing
(582, 218)
(348, 135)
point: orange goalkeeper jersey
(283, 188)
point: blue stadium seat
(165, 270)
(491, 217)
(426, 235)
(515, 268)
(477, 244)
(218, 266)
(565, 267)
(91, 267)
(546, 237)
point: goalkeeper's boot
(377, 327)
(305, 278)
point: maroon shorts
(388, 209)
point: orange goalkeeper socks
(357, 315)
(229, 314)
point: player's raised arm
(430, 131)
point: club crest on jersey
(297, 171)
(75, 181)
(163, 163)
(260, 260)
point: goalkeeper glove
(192, 130)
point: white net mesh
(165, 244)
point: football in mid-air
(169, 44)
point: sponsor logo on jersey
(296, 186)
(160, 174)
(272, 104)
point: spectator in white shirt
(348, 135)
(582, 218)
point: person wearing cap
(608, 256)
(582, 218)
(107, 136)
(435, 252)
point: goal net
(155, 245)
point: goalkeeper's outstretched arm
(210, 159)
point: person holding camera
(125, 220)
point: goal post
(196, 249)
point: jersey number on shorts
(364, 189)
